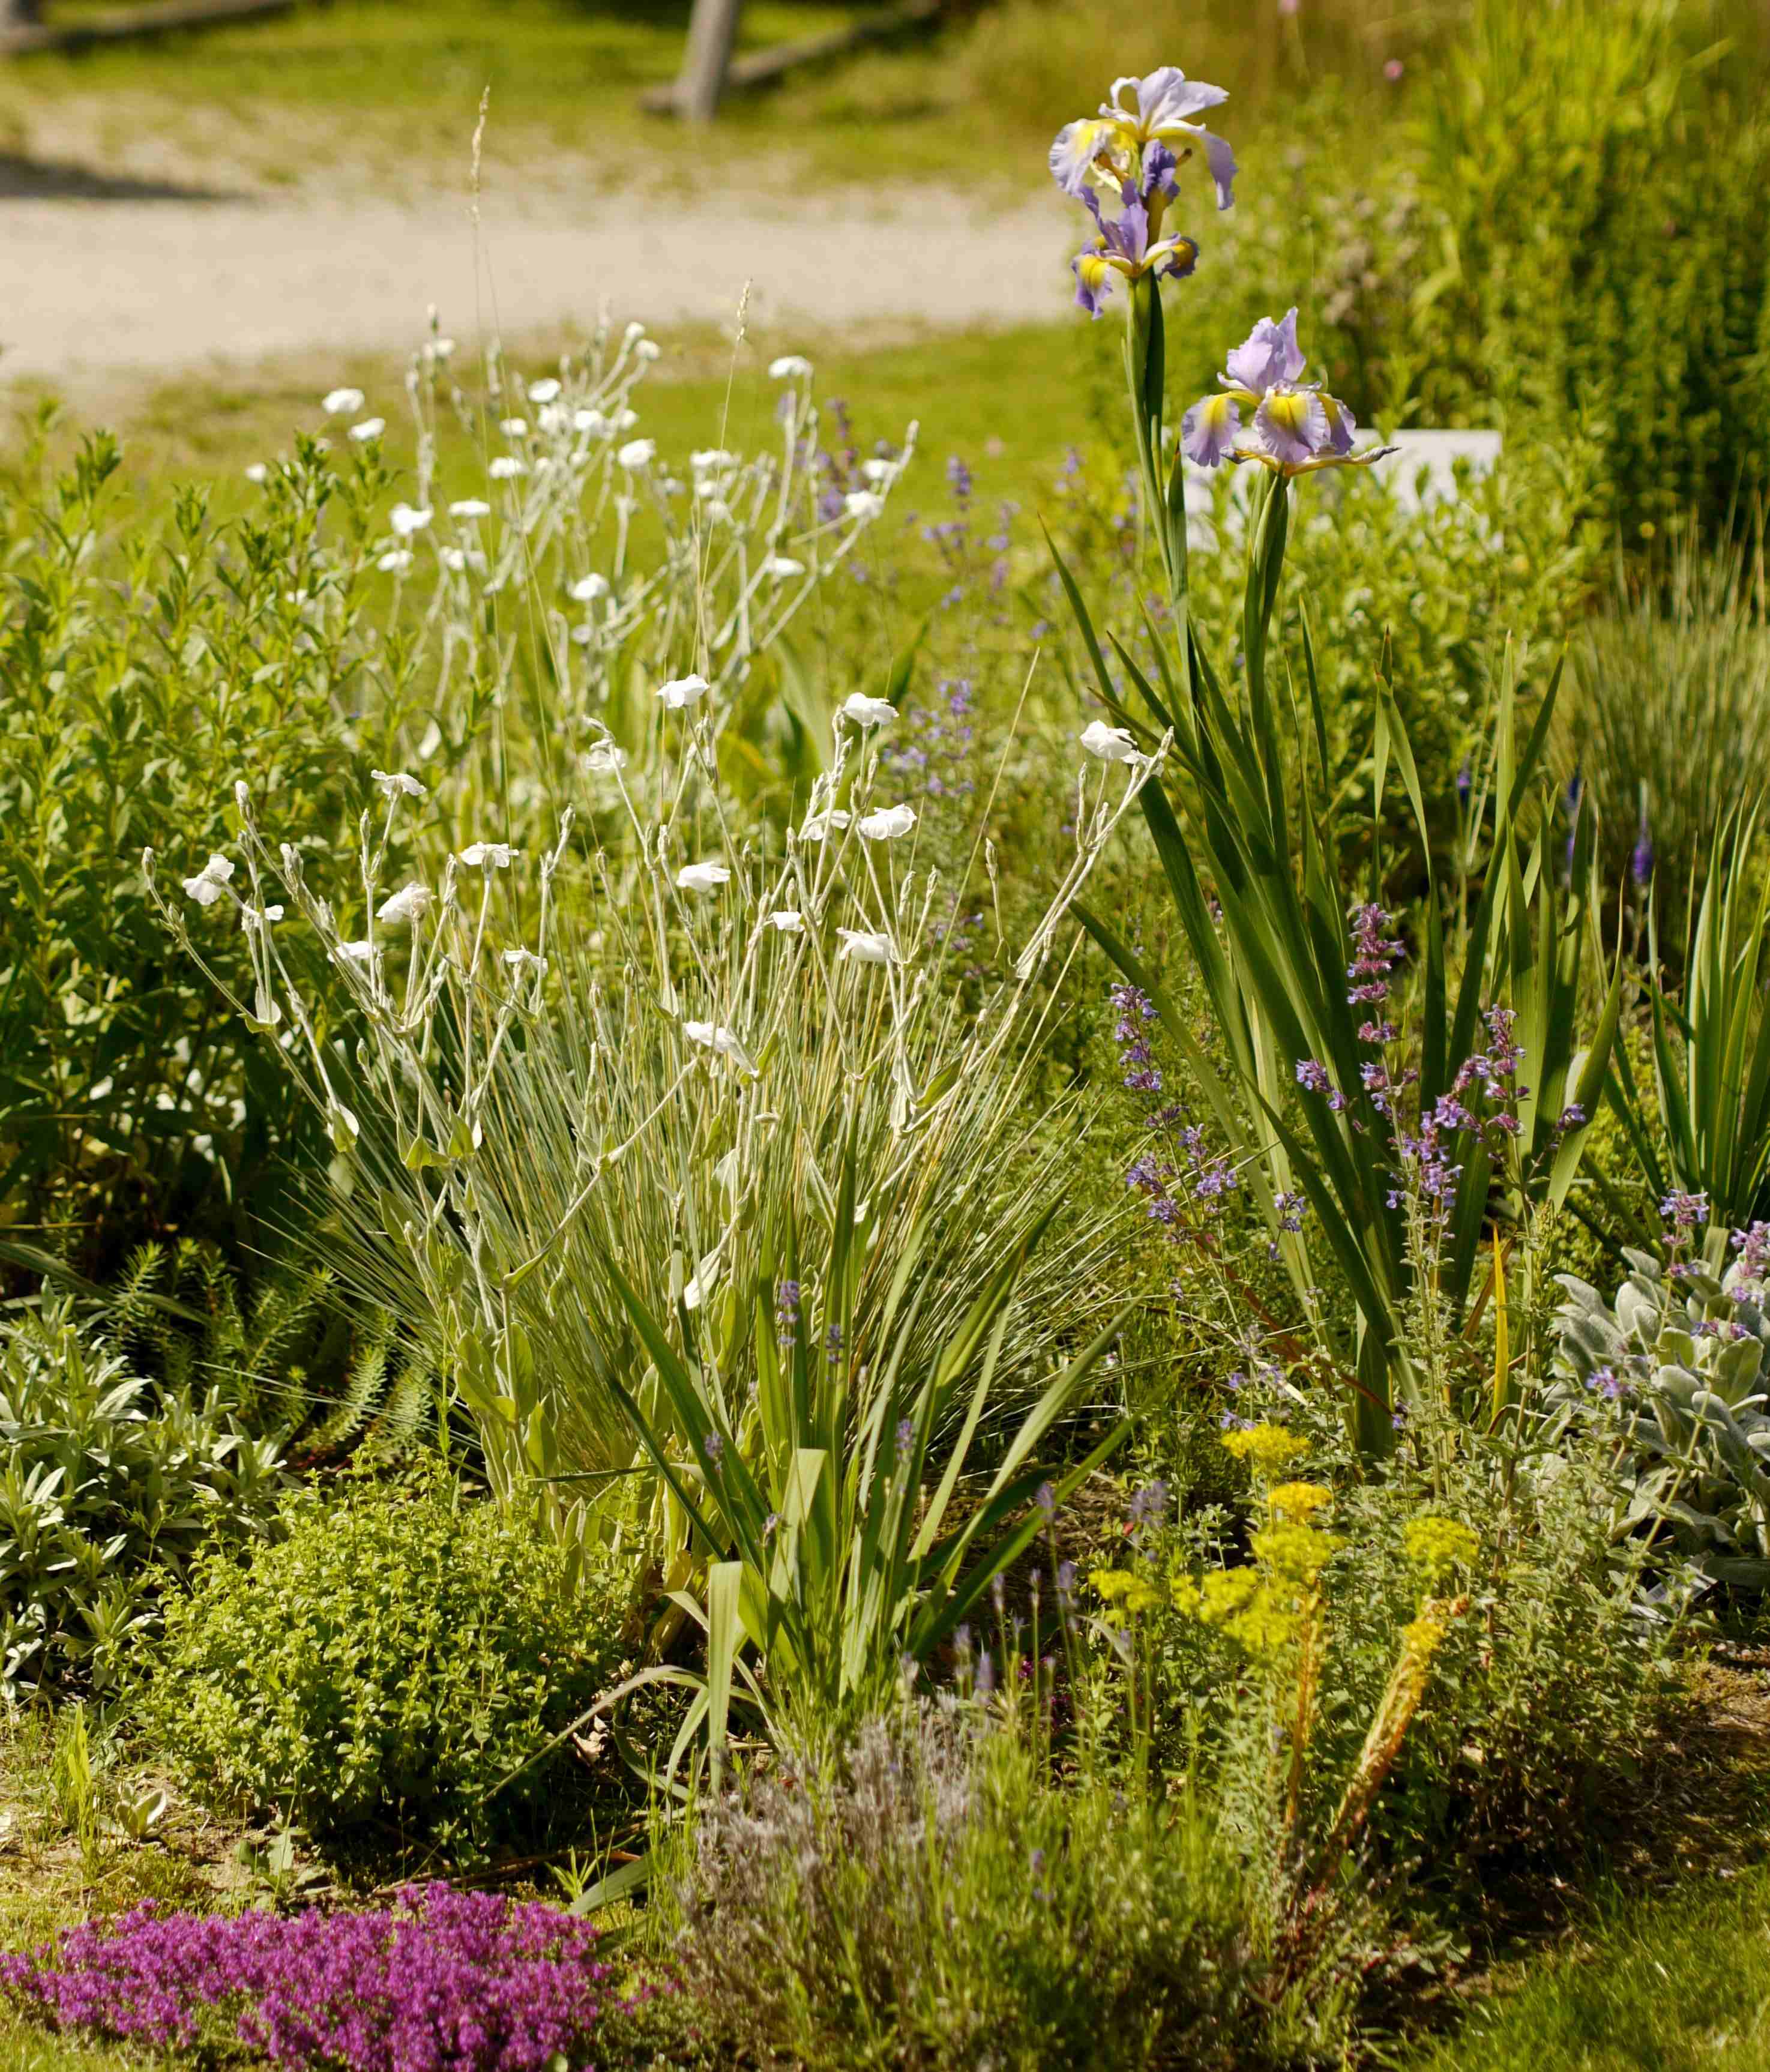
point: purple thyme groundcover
(441, 1981)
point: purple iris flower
(1123, 247)
(1109, 147)
(1292, 425)
(1269, 356)
(1296, 424)
(1209, 430)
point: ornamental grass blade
(723, 1632)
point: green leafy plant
(395, 1654)
(108, 1483)
(139, 675)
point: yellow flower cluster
(1267, 1448)
(1264, 1607)
(1295, 1503)
(1125, 1586)
(1439, 1544)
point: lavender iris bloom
(1109, 148)
(1124, 247)
(1296, 426)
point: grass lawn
(1666, 1985)
(1008, 404)
(394, 85)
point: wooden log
(127, 22)
(712, 30)
(758, 67)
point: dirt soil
(103, 276)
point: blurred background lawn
(959, 100)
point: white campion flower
(858, 710)
(1111, 744)
(407, 519)
(710, 1036)
(866, 947)
(210, 882)
(258, 472)
(514, 427)
(819, 825)
(647, 349)
(788, 919)
(543, 391)
(783, 567)
(880, 472)
(506, 467)
(637, 454)
(400, 909)
(470, 507)
(605, 759)
(790, 367)
(701, 877)
(395, 561)
(360, 952)
(864, 505)
(591, 421)
(397, 784)
(258, 917)
(681, 692)
(370, 428)
(491, 856)
(454, 559)
(342, 402)
(587, 589)
(634, 333)
(887, 825)
(711, 456)
(519, 961)
(623, 421)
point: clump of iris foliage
(1080, 1291)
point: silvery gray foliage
(1680, 1359)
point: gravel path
(113, 283)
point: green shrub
(1591, 186)
(398, 1651)
(106, 1478)
(139, 676)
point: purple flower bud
(1641, 860)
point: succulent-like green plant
(1681, 1359)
